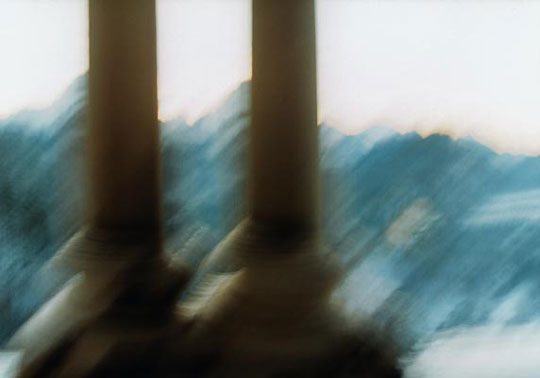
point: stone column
(124, 133)
(272, 313)
(284, 132)
(119, 310)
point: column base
(275, 316)
(115, 314)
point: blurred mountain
(435, 233)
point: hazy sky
(461, 67)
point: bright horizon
(463, 68)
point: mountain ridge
(396, 209)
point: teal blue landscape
(436, 234)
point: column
(111, 319)
(284, 132)
(272, 313)
(124, 133)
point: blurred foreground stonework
(270, 312)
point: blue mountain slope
(434, 232)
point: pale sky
(466, 68)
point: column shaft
(124, 134)
(284, 134)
